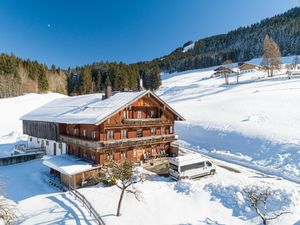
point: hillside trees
(85, 81)
(271, 55)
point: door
(54, 148)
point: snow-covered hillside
(256, 121)
(11, 111)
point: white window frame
(134, 152)
(110, 134)
(84, 133)
(153, 131)
(93, 135)
(153, 149)
(122, 134)
(123, 155)
(171, 129)
(139, 114)
(139, 129)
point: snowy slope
(217, 199)
(257, 121)
(11, 111)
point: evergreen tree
(85, 81)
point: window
(192, 166)
(153, 149)
(30, 139)
(110, 157)
(123, 155)
(110, 134)
(94, 135)
(152, 113)
(93, 157)
(208, 164)
(139, 132)
(153, 130)
(171, 129)
(84, 133)
(47, 143)
(37, 141)
(75, 131)
(134, 152)
(84, 154)
(139, 114)
(173, 167)
(125, 114)
(162, 130)
(60, 145)
(123, 134)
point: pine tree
(85, 81)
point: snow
(11, 110)
(84, 109)
(186, 48)
(217, 199)
(38, 202)
(67, 165)
(256, 121)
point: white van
(190, 166)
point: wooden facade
(146, 127)
(140, 129)
(41, 129)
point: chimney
(108, 89)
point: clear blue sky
(69, 33)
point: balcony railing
(145, 121)
(120, 142)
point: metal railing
(87, 205)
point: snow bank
(234, 197)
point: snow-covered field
(11, 111)
(217, 199)
(257, 121)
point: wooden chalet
(248, 67)
(223, 70)
(86, 132)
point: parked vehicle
(190, 166)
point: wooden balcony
(143, 121)
(121, 143)
(139, 123)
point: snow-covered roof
(86, 109)
(188, 159)
(67, 165)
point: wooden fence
(87, 205)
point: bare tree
(7, 209)
(122, 175)
(258, 199)
(271, 55)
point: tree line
(122, 77)
(19, 76)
